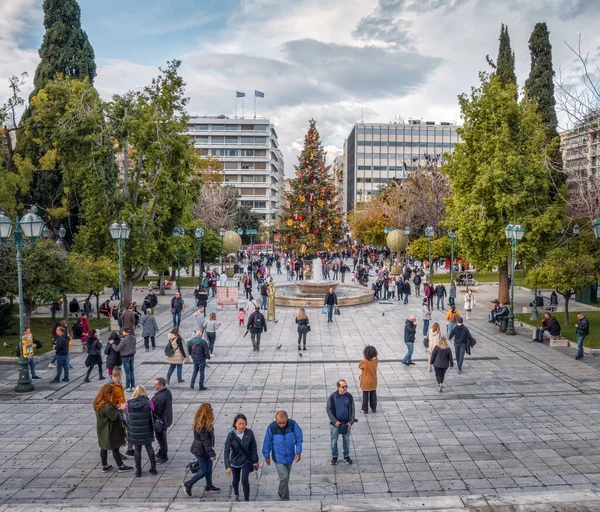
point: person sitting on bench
(550, 328)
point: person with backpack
(417, 283)
(256, 324)
(210, 327)
(149, 328)
(198, 348)
(177, 307)
(303, 327)
(240, 456)
(94, 358)
(175, 355)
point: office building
(251, 156)
(376, 153)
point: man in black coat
(502, 317)
(410, 329)
(163, 410)
(440, 293)
(256, 324)
(61, 345)
(150, 301)
(462, 342)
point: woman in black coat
(201, 298)
(441, 359)
(140, 430)
(113, 358)
(241, 455)
(94, 348)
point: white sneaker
(51, 365)
(441, 387)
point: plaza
(522, 418)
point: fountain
(311, 293)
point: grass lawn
(593, 340)
(480, 277)
(185, 281)
(42, 330)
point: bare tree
(216, 206)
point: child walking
(241, 316)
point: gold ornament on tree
(302, 199)
(290, 222)
(320, 202)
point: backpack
(169, 350)
(258, 322)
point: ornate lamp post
(453, 236)
(178, 232)
(222, 235)
(119, 233)
(406, 233)
(514, 233)
(429, 232)
(596, 228)
(199, 232)
(30, 227)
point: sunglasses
(343, 387)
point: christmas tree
(311, 221)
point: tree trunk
(567, 296)
(173, 274)
(194, 268)
(97, 305)
(161, 283)
(503, 288)
(127, 291)
(65, 308)
(28, 310)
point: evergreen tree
(540, 84)
(65, 48)
(311, 221)
(505, 65)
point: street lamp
(120, 233)
(222, 235)
(514, 233)
(429, 232)
(178, 232)
(453, 236)
(199, 232)
(596, 228)
(31, 227)
(406, 233)
(62, 232)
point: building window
(231, 127)
(247, 152)
(217, 128)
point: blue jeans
(425, 327)
(330, 312)
(264, 301)
(410, 347)
(199, 366)
(580, 339)
(459, 352)
(334, 441)
(31, 362)
(205, 471)
(451, 326)
(128, 369)
(179, 371)
(440, 299)
(62, 363)
(176, 319)
(214, 291)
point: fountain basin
(348, 294)
(315, 287)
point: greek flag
(258, 94)
(239, 94)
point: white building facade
(251, 156)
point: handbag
(426, 342)
(324, 310)
(157, 423)
(337, 311)
(343, 429)
(193, 467)
(87, 361)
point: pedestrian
(113, 358)
(256, 324)
(203, 448)
(240, 456)
(343, 270)
(433, 338)
(210, 327)
(303, 327)
(410, 328)
(417, 282)
(74, 306)
(283, 444)
(127, 348)
(61, 346)
(462, 341)
(118, 399)
(241, 316)
(470, 303)
(264, 293)
(140, 429)
(77, 329)
(582, 330)
(149, 328)
(150, 301)
(202, 299)
(340, 410)
(175, 355)
(129, 320)
(199, 351)
(426, 313)
(452, 294)
(406, 290)
(368, 379)
(429, 293)
(441, 359)
(163, 410)
(330, 302)
(35, 345)
(440, 293)
(452, 318)
(248, 286)
(177, 307)
(109, 428)
(94, 357)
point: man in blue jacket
(283, 444)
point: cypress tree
(540, 84)
(65, 48)
(505, 65)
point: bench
(557, 341)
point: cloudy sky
(335, 60)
